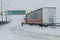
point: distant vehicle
(45, 16)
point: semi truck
(45, 16)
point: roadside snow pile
(6, 31)
(5, 34)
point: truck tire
(31, 24)
(40, 25)
(45, 25)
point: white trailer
(44, 16)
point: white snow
(14, 31)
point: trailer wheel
(46, 25)
(41, 25)
(31, 24)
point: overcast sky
(27, 4)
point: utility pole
(6, 13)
(2, 10)
(6, 16)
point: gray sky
(27, 4)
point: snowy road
(24, 35)
(14, 31)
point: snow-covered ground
(14, 31)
